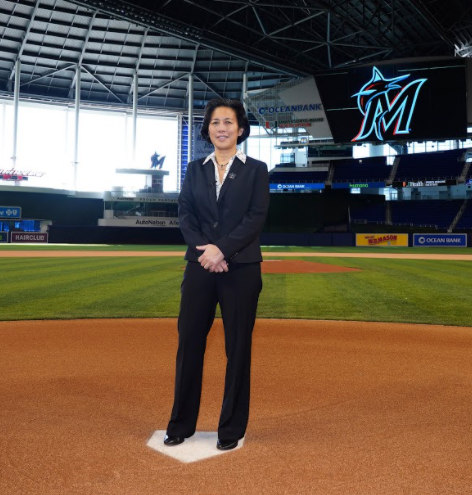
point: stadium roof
(216, 40)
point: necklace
(222, 165)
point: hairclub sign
(29, 237)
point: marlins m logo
(385, 102)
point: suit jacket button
(215, 225)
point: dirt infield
(338, 408)
(266, 255)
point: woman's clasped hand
(212, 259)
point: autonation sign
(440, 240)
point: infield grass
(416, 291)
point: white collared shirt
(212, 157)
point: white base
(202, 445)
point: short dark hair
(237, 106)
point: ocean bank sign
(440, 240)
(311, 107)
(297, 187)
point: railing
(131, 213)
(413, 179)
(410, 224)
(365, 221)
(361, 180)
(297, 181)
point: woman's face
(223, 129)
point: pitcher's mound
(300, 266)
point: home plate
(202, 445)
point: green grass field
(436, 292)
(267, 249)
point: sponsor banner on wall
(131, 197)
(357, 185)
(201, 149)
(297, 187)
(29, 237)
(304, 103)
(140, 222)
(382, 240)
(440, 240)
(10, 212)
(3, 236)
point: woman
(222, 208)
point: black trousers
(237, 291)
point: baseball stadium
(361, 350)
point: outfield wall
(120, 235)
(113, 235)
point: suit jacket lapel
(210, 173)
(233, 175)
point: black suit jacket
(234, 222)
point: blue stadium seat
(430, 166)
(434, 212)
(465, 222)
(368, 213)
(297, 176)
(373, 169)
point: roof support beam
(381, 52)
(259, 20)
(161, 86)
(194, 61)
(328, 41)
(212, 89)
(25, 38)
(286, 5)
(138, 62)
(293, 24)
(157, 22)
(82, 52)
(227, 16)
(420, 7)
(49, 74)
(102, 83)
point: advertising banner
(305, 106)
(382, 240)
(3, 236)
(156, 222)
(10, 212)
(357, 185)
(440, 240)
(133, 197)
(29, 237)
(297, 187)
(201, 149)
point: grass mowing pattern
(414, 291)
(265, 249)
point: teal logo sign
(10, 212)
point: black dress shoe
(226, 444)
(171, 441)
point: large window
(46, 140)
(262, 147)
